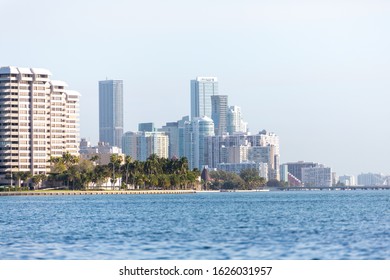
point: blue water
(263, 225)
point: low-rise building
(103, 151)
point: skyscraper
(195, 141)
(202, 88)
(111, 112)
(39, 119)
(235, 122)
(219, 109)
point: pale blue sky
(317, 73)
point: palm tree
(100, 174)
(126, 167)
(37, 179)
(115, 164)
(25, 176)
(95, 159)
(69, 159)
(17, 176)
(152, 164)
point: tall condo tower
(39, 119)
(111, 112)
(219, 104)
(202, 88)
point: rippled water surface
(262, 225)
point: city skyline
(315, 74)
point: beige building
(39, 118)
(140, 145)
(103, 151)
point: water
(263, 225)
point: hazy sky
(317, 73)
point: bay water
(239, 225)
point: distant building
(347, 180)
(224, 149)
(266, 154)
(370, 179)
(202, 88)
(140, 145)
(103, 151)
(183, 132)
(129, 144)
(172, 130)
(283, 173)
(265, 148)
(317, 176)
(39, 119)
(235, 122)
(201, 128)
(111, 112)
(149, 127)
(243, 147)
(238, 167)
(219, 110)
(295, 168)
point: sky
(317, 73)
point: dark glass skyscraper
(111, 112)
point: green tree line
(247, 179)
(74, 173)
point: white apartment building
(318, 176)
(39, 118)
(235, 121)
(371, 179)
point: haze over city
(314, 72)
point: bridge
(344, 188)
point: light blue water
(264, 225)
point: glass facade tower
(202, 88)
(219, 113)
(111, 112)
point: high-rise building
(219, 110)
(140, 145)
(39, 119)
(243, 147)
(129, 144)
(111, 112)
(146, 127)
(235, 122)
(172, 130)
(370, 179)
(195, 143)
(202, 88)
(226, 149)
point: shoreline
(63, 193)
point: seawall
(135, 192)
